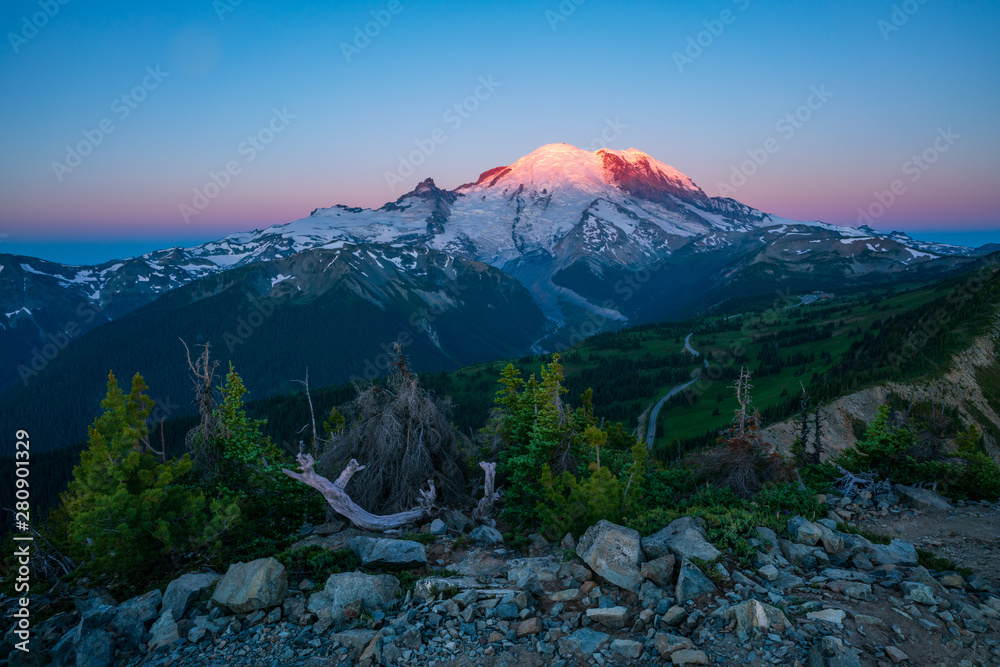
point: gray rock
(659, 570)
(378, 552)
(356, 640)
(438, 527)
(164, 632)
(583, 644)
(348, 590)
(183, 591)
(859, 591)
(247, 587)
(684, 538)
(835, 616)
(897, 552)
(689, 656)
(692, 582)
(133, 615)
(612, 552)
(924, 500)
(457, 521)
(486, 535)
(753, 615)
(614, 618)
(919, 592)
(831, 652)
(96, 648)
(627, 648)
(800, 555)
(803, 531)
(544, 568)
(667, 644)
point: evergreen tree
(127, 513)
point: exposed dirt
(969, 536)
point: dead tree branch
(336, 495)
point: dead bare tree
(199, 439)
(337, 497)
(742, 461)
(484, 510)
(403, 437)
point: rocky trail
(814, 597)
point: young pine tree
(128, 513)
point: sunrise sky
(838, 97)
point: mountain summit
(599, 238)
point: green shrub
(129, 512)
(894, 454)
(316, 562)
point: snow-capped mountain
(580, 229)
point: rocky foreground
(815, 596)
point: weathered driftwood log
(337, 497)
(484, 510)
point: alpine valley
(530, 257)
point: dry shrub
(401, 434)
(742, 461)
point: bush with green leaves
(895, 454)
(129, 511)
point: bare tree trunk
(336, 495)
(484, 509)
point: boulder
(924, 500)
(627, 648)
(133, 615)
(684, 538)
(164, 631)
(692, 582)
(583, 644)
(457, 521)
(612, 552)
(614, 618)
(689, 656)
(94, 649)
(344, 593)
(897, 552)
(803, 531)
(486, 535)
(378, 552)
(831, 652)
(182, 592)
(753, 615)
(666, 644)
(438, 527)
(919, 592)
(659, 570)
(259, 584)
(545, 568)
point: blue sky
(558, 73)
